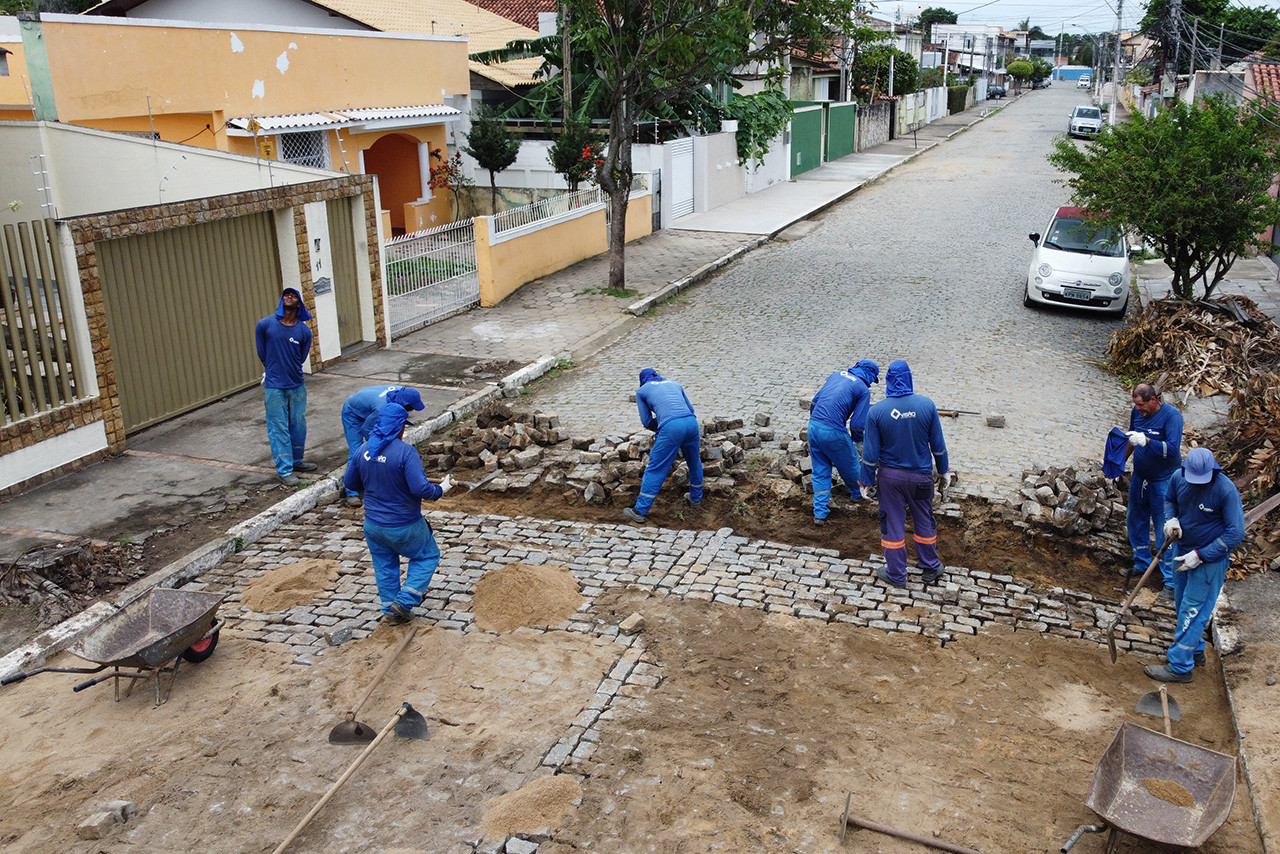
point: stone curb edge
(639, 307)
(193, 564)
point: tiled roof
(523, 12)
(339, 118)
(1266, 79)
(483, 29)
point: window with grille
(305, 149)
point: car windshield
(1073, 234)
(1088, 113)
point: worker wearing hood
(1206, 516)
(901, 448)
(389, 472)
(360, 415)
(665, 409)
(284, 344)
(837, 416)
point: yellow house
(330, 92)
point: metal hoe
(350, 730)
(471, 487)
(1111, 629)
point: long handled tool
(350, 730)
(407, 723)
(939, 844)
(1159, 704)
(1111, 629)
(472, 487)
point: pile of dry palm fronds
(1221, 346)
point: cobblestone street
(926, 265)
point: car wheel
(1026, 299)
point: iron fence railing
(431, 275)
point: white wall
(774, 169)
(92, 171)
(288, 13)
(717, 177)
(26, 463)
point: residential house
(974, 48)
(15, 98)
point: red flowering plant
(446, 174)
(577, 154)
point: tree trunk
(493, 191)
(615, 180)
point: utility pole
(1115, 75)
(566, 95)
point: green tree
(689, 45)
(935, 15)
(869, 74)
(1040, 68)
(1084, 56)
(1192, 180)
(1020, 70)
(575, 154)
(492, 145)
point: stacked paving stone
(1082, 505)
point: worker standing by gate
(837, 416)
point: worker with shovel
(360, 414)
(665, 409)
(1155, 441)
(1206, 517)
(837, 416)
(901, 447)
(389, 472)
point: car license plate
(1076, 293)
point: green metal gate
(806, 139)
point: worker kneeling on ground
(837, 416)
(902, 445)
(665, 409)
(1206, 517)
(389, 472)
(360, 416)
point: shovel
(350, 730)
(472, 487)
(1111, 629)
(407, 722)
(1159, 704)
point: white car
(1079, 265)
(1085, 121)
(1084, 82)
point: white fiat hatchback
(1079, 265)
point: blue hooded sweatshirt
(389, 472)
(903, 430)
(282, 349)
(1211, 514)
(362, 407)
(845, 398)
(660, 400)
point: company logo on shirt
(293, 340)
(380, 459)
(1204, 509)
(896, 414)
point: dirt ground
(759, 728)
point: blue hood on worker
(303, 314)
(867, 371)
(391, 418)
(406, 397)
(648, 375)
(897, 380)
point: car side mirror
(1035, 236)
(1135, 251)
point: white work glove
(1137, 439)
(1190, 560)
(446, 485)
(1173, 528)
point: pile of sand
(290, 585)
(522, 595)
(536, 806)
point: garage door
(681, 177)
(346, 284)
(181, 307)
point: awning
(361, 119)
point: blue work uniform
(837, 416)
(283, 350)
(1212, 520)
(901, 447)
(665, 408)
(360, 412)
(389, 472)
(1153, 463)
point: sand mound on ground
(522, 595)
(290, 585)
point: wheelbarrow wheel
(200, 650)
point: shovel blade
(411, 724)
(352, 732)
(1149, 704)
(1111, 642)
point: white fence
(546, 209)
(430, 275)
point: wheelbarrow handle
(18, 677)
(93, 681)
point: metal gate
(681, 186)
(346, 284)
(181, 307)
(431, 275)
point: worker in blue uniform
(360, 414)
(665, 408)
(1206, 517)
(389, 472)
(283, 340)
(837, 416)
(1155, 440)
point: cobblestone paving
(925, 265)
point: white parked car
(1079, 265)
(1085, 121)
(1084, 82)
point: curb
(639, 307)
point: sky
(1052, 16)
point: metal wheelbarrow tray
(1138, 758)
(153, 634)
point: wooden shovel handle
(1164, 707)
(382, 671)
(1155, 561)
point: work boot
(819, 521)
(393, 619)
(1199, 659)
(289, 479)
(400, 611)
(1162, 673)
(304, 466)
(688, 499)
(638, 518)
(931, 575)
(883, 575)
(1166, 594)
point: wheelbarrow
(153, 634)
(1159, 788)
